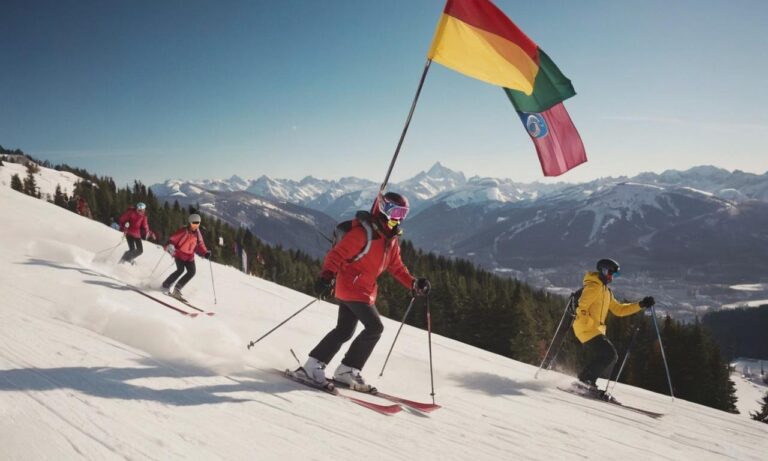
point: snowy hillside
(92, 370)
(46, 179)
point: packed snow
(92, 370)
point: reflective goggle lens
(394, 211)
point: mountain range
(683, 236)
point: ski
(420, 406)
(613, 401)
(145, 294)
(187, 303)
(160, 301)
(382, 409)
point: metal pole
(212, 282)
(623, 362)
(663, 355)
(410, 305)
(407, 123)
(155, 268)
(567, 311)
(429, 336)
(253, 343)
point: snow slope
(90, 370)
(47, 179)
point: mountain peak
(438, 170)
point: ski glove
(207, 254)
(421, 286)
(324, 284)
(170, 249)
(647, 302)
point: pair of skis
(162, 302)
(610, 400)
(396, 407)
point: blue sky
(191, 89)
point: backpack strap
(366, 225)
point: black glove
(421, 286)
(323, 286)
(208, 255)
(647, 302)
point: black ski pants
(135, 248)
(189, 266)
(360, 349)
(602, 357)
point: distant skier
(134, 224)
(183, 245)
(82, 207)
(589, 326)
(356, 288)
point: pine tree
(16, 183)
(59, 198)
(29, 185)
(762, 415)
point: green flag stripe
(549, 88)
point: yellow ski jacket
(595, 302)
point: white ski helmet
(194, 219)
(141, 206)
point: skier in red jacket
(183, 245)
(135, 226)
(356, 288)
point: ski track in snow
(91, 370)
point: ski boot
(351, 378)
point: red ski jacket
(188, 242)
(356, 281)
(138, 227)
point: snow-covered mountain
(90, 369)
(687, 235)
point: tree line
(467, 303)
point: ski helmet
(608, 269)
(141, 206)
(194, 219)
(393, 206)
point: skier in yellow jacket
(589, 325)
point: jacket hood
(592, 277)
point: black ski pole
(253, 343)
(429, 336)
(410, 305)
(608, 387)
(557, 338)
(663, 355)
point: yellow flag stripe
(482, 55)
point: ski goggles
(393, 211)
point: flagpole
(407, 123)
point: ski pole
(429, 336)
(410, 305)
(568, 310)
(663, 355)
(112, 248)
(608, 387)
(155, 268)
(253, 343)
(212, 283)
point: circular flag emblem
(536, 125)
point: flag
(477, 39)
(557, 142)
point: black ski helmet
(606, 268)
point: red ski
(420, 406)
(383, 409)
